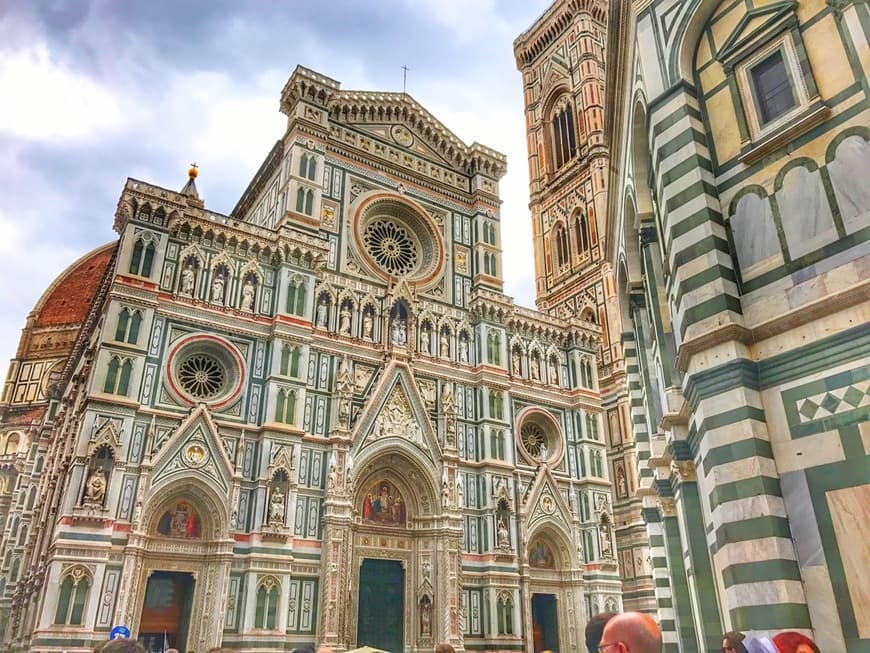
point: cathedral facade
(316, 419)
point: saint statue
(426, 618)
(536, 368)
(276, 507)
(398, 332)
(367, 325)
(444, 347)
(463, 350)
(460, 494)
(604, 533)
(248, 291)
(322, 309)
(503, 538)
(554, 372)
(188, 280)
(95, 489)
(517, 364)
(445, 494)
(424, 341)
(217, 288)
(448, 402)
(344, 320)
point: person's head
(632, 632)
(444, 648)
(123, 645)
(99, 647)
(733, 642)
(172, 650)
(793, 642)
(594, 629)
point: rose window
(202, 376)
(534, 440)
(391, 246)
(205, 369)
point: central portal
(166, 612)
(545, 623)
(381, 605)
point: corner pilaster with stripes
(727, 431)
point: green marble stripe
(682, 86)
(825, 252)
(691, 192)
(756, 528)
(720, 379)
(729, 417)
(779, 616)
(706, 309)
(740, 450)
(702, 279)
(682, 169)
(744, 489)
(761, 571)
(852, 344)
(684, 225)
(683, 612)
(677, 143)
(682, 112)
(701, 248)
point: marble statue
(248, 292)
(188, 280)
(217, 288)
(344, 321)
(95, 489)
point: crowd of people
(608, 632)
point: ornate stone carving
(684, 470)
(397, 420)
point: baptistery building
(315, 419)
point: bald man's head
(632, 631)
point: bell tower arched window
(561, 243)
(564, 138)
(581, 235)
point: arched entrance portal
(401, 547)
(555, 600)
(176, 570)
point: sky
(95, 91)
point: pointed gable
(396, 413)
(757, 26)
(544, 504)
(195, 449)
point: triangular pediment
(399, 121)
(545, 504)
(396, 413)
(195, 449)
(756, 27)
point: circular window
(391, 246)
(398, 239)
(205, 369)
(202, 376)
(534, 439)
(539, 437)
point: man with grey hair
(632, 632)
(123, 645)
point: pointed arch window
(304, 201)
(494, 348)
(118, 376)
(561, 244)
(296, 297)
(581, 235)
(266, 614)
(72, 599)
(564, 139)
(505, 610)
(307, 167)
(143, 258)
(285, 406)
(127, 329)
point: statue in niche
(601, 503)
(503, 538)
(217, 288)
(621, 485)
(517, 364)
(448, 401)
(95, 488)
(536, 368)
(604, 535)
(322, 313)
(445, 494)
(344, 320)
(424, 340)
(348, 470)
(188, 280)
(444, 346)
(398, 332)
(460, 494)
(425, 617)
(368, 323)
(554, 372)
(463, 350)
(427, 570)
(248, 292)
(276, 507)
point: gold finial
(193, 172)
